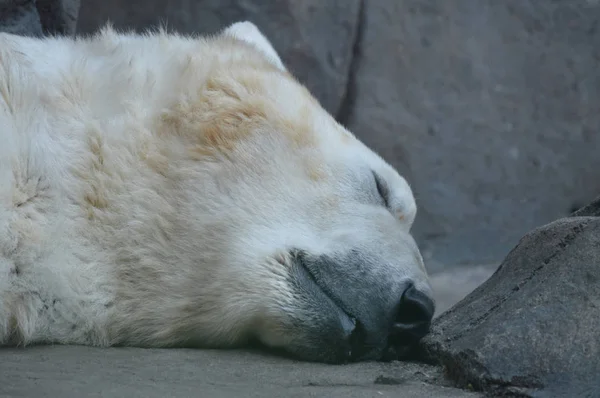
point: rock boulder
(38, 17)
(592, 209)
(20, 17)
(533, 328)
(58, 16)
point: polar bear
(160, 190)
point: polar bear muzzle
(349, 314)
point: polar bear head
(306, 228)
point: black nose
(413, 317)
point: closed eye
(382, 190)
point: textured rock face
(592, 209)
(36, 17)
(20, 17)
(58, 16)
(313, 37)
(489, 107)
(533, 328)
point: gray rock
(58, 16)
(454, 284)
(592, 209)
(490, 108)
(20, 17)
(314, 38)
(73, 372)
(38, 17)
(533, 328)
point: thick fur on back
(152, 185)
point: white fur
(249, 33)
(114, 229)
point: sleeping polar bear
(168, 191)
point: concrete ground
(69, 371)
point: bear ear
(248, 32)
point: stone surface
(314, 38)
(73, 372)
(592, 209)
(491, 110)
(20, 17)
(533, 328)
(452, 285)
(58, 16)
(38, 17)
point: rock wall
(490, 109)
(38, 17)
